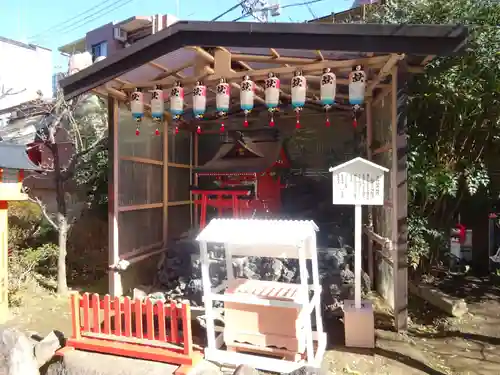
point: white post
(357, 255)
(229, 263)
(207, 295)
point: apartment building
(110, 38)
(25, 74)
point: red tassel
(137, 132)
(271, 123)
(222, 128)
(198, 129)
(297, 124)
(327, 122)
(157, 131)
(355, 123)
(245, 124)
(176, 130)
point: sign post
(358, 183)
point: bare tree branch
(45, 213)
(9, 92)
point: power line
(229, 10)
(99, 15)
(56, 26)
(305, 3)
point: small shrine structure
(268, 315)
(14, 162)
(245, 175)
(170, 91)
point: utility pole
(261, 10)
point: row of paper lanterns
(328, 86)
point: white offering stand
(265, 238)
(358, 183)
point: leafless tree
(85, 119)
(4, 92)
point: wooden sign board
(358, 182)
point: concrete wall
(25, 69)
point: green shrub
(25, 263)
(25, 219)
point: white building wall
(24, 69)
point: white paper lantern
(222, 97)
(247, 95)
(199, 100)
(357, 86)
(177, 101)
(157, 104)
(299, 88)
(328, 88)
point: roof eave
(376, 38)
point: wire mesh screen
(140, 183)
(180, 220)
(179, 148)
(146, 145)
(140, 228)
(179, 184)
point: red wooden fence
(133, 328)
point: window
(100, 49)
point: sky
(53, 23)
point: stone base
(359, 325)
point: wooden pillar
(399, 102)
(165, 184)
(196, 196)
(200, 67)
(115, 280)
(4, 271)
(369, 141)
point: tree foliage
(453, 116)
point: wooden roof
(309, 40)
(15, 157)
(260, 152)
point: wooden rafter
(261, 74)
(384, 72)
(164, 69)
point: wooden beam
(167, 70)
(138, 207)
(381, 95)
(384, 72)
(416, 69)
(178, 203)
(380, 150)
(262, 74)
(399, 230)
(274, 53)
(177, 165)
(137, 159)
(115, 280)
(369, 141)
(427, 60)
(165, 186)
(222, 62)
